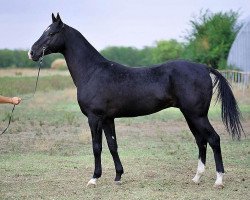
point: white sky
(107, 22)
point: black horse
(107, 90)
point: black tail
(230, 112)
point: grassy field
(16, 82)
(47, 153)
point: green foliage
(146, 56)
(167, 50)
(211, 37)
(129, 55)
(19, 58)
(163, 51)
(124, 55)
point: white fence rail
(241, 79)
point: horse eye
(51, 34)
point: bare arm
(13, 100)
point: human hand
(15, 100)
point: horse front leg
(95, 124)
(109, 130)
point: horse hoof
(92, 182)
(196, 181)
(218, 186)
(118, 182)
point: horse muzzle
(33, 56)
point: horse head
(51, 41)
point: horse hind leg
(202, 146)
(206, 131)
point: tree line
(208, 41)
(19, 59)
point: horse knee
(97, 149)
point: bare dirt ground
(47, 154)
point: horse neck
(81, 57)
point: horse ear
(58, 17)
(53, 18)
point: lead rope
(28, 98)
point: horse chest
(90, 101)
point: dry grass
(16, 72)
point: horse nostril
(31, 53)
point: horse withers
(107, 90)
